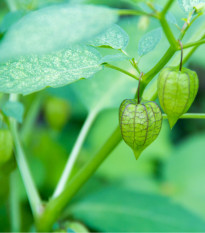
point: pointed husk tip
(137, 153)
(172, 121)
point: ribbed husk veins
(176, 91)
(140, 124)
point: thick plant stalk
(56, 205)
(15, 216)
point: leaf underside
(34, 73)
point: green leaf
(149, 41)
(114, 37)
(10, 19)
(14, 109)
(122, 210)
(115, 57)
(33, 73)
(184, 172)
(55, 27)
(188, 5)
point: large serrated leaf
(33, 73)
(123, 210)
(114, 37)
(54, 28)
(149, 41)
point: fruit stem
(181, 61)
(138, 90)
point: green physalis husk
(176, 91)
(140, 124)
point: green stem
(55, 206)
(168, 32)
(121, 70)
(75, 152)
(132, 61)
(188, 24)
(163, 61)
(189, 116)
(31, 189)
(134, 12)
(167, 7)
(14, 203)
(134, 64)
(165, 26)
(191, 44)
(30, 119)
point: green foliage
(54, 70)
(10, 19)
(149, 41)
(188, 5)
(184, 172)
(133, 211)
(52, 46)
(114, 37)
(14, 110)
(72, 24)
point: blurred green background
(173, 166)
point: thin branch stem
(121, 70)
(191, 44)
(188, 24)
(134, 64)
(151, 6)
(56, 205)
(31, 189)
(134, 12)
(75, 152)
(132, 61)
(189, 116)
(30, 119)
